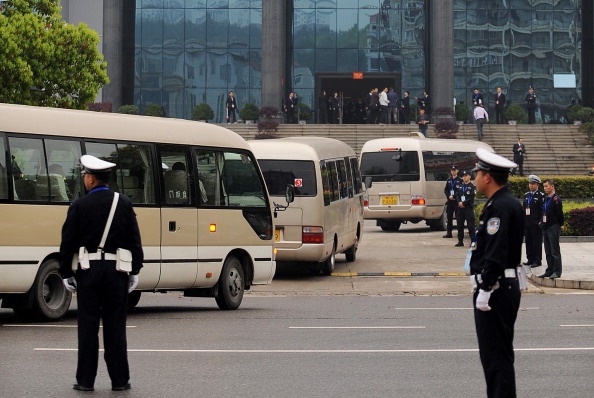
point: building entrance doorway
(352, 93)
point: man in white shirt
(481, 117)
(384, 103)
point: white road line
(453, 350)
(47, 326)
(450, 308)
(356, 327)
(577, 326)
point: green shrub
(579, 221)
(566, 186)
(586, 114)
(249, 112)
(572, 113)
(516, 112)
(446, 128)
(462, 112)
(304, 112)
(202, 112)
(128, 109)
(154, 110)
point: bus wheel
(351, 252)
(391, 227)
(51, 300)
(328, 265)
(230, 285)
(133, 298)
(438, 224)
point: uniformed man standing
(533, 202)
(102, 291)
(451, 188)
(465, 199)
(493, 264)
(531, 105)
(551, 223)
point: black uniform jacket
(530, 100)
(499, 238)
(86, 221)
(452, 184)
(534, 202)
(469, 192)
(553, 209)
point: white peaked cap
(92, 164)
(490, 161)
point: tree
(45, 61)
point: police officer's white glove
(132, 282)
(69, 284)
(482, 300)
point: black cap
(466, 172)
(454, 167)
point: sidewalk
(577, 254)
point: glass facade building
(193, 51)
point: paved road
(327, 346)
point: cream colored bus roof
(423, 144)
(301, 148)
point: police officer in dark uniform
(465, 199)
(451, 188)
(531, 105)
(551, 223)
(495, 258)
(102, 291)
(533, 202)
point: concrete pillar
(441, 53)
(112, 51)
(274, 52)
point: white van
(405, 178)
(326, 216)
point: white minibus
(326, 216)
(406, 176)
(200, 198)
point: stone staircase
(551, 149)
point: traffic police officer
(102, 291)
(533, 202)
(465, 199)
(451, 188)
(495, 256)
(531, 105)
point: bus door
(179, 219)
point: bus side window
(3, 172)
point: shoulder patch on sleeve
(493, 225)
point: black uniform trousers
(465, 214)
(533, 240)
(102, 293)
(451, 212)
(495, 332)
(552, 248)
(531, 115)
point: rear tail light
(418, 200)
(366, 200)
(312, 235)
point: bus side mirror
(367, 182)
(289, 197)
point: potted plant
(154, 110)
(572, 114)
(128, 109)
(202, 112)
(268, 122)
(446, 128)
(462, 113)
(249, 113)
(304, 113)
(588, 128)
(585, 114)
(515, 114)
(412, 113)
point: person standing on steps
(451, 188)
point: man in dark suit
(291, 107)
(519, 155)
(405, 108)
(499, 106)
(477, 98)
(531, 105)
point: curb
(562, 283)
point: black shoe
(126, 386)
(554, 275)
(459, 244)
(78, 387)
(447, 236)
(535, 265)
(544, 275)
(527, 262)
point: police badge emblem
(493, 225)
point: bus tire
(330, 263)
(50, 299)
(438, 224)
(391, 227)
(351, 252)
(133, 298)
(230, 289)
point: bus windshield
(299, 173)
(391, 166)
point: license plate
(389, 200)
(277, 235)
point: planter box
(512, 122)
(250, 122)
(577, 122)
(302, 122)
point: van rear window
(299, 173)
(391, 166)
